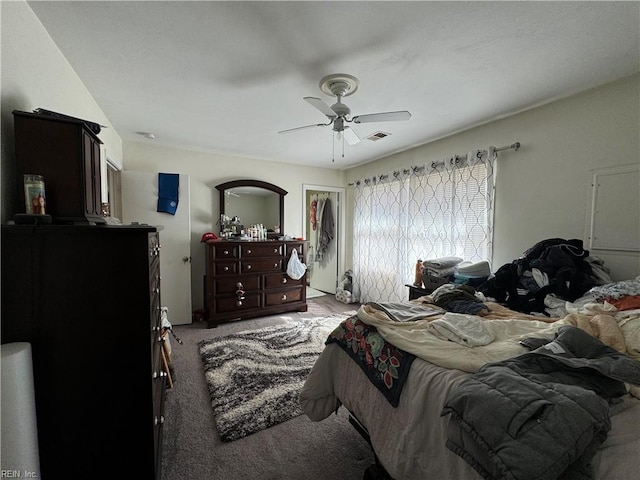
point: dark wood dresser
(67, 153)
(87, 298)
(247, 279)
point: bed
(405, 383)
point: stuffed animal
(344, 292)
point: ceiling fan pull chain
(333, 147)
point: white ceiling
(225, 77)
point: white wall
(207, 170)
(36, 74)
(542, 189)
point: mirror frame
(223, 187)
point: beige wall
(543, 189)
(206, 170)
(36, 74)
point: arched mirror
(252, 202)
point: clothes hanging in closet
(326, 230)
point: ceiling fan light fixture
(341, 84)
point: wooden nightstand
(416, 292)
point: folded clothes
(442, 262)
(439, 272)
(478, 269)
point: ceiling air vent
(379, 135)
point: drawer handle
(226, 269)
(239, 303)
(276, 265)
(226, 252)
(284, 279)
(239, 293)
(248, 252)
(248, 267)
(283, 298)
(275, 250)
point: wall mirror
(254, 202)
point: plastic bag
(295, 268)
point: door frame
(341, 241)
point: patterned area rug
(255, 377)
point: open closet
(324, 230)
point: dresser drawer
(226, 268)
(227, 284)
(252, 251)
(233, 304)
(261, 265)
(154, 249)
(155, 313)
(159, 387)
(156, 352)
(298, 247)
(154, 281)
(277, 280)
(222, 251)
(283, 296)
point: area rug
(255, 377)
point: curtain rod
(515, 146)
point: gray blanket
(541, 415)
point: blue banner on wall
(168, 192)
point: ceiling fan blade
(321, 105)
(351, 136)
(382, 117)
(306, 126)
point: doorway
(325, 260)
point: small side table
(416, 292)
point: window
(114, 191)
(438, 210)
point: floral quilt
(386, 366)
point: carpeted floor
(313, 293)
(297, 449)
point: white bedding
(410, 439)
(416, 336)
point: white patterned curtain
(435, 210)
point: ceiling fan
(342, 85)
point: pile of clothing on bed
(555, 268)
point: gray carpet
(297, 449)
